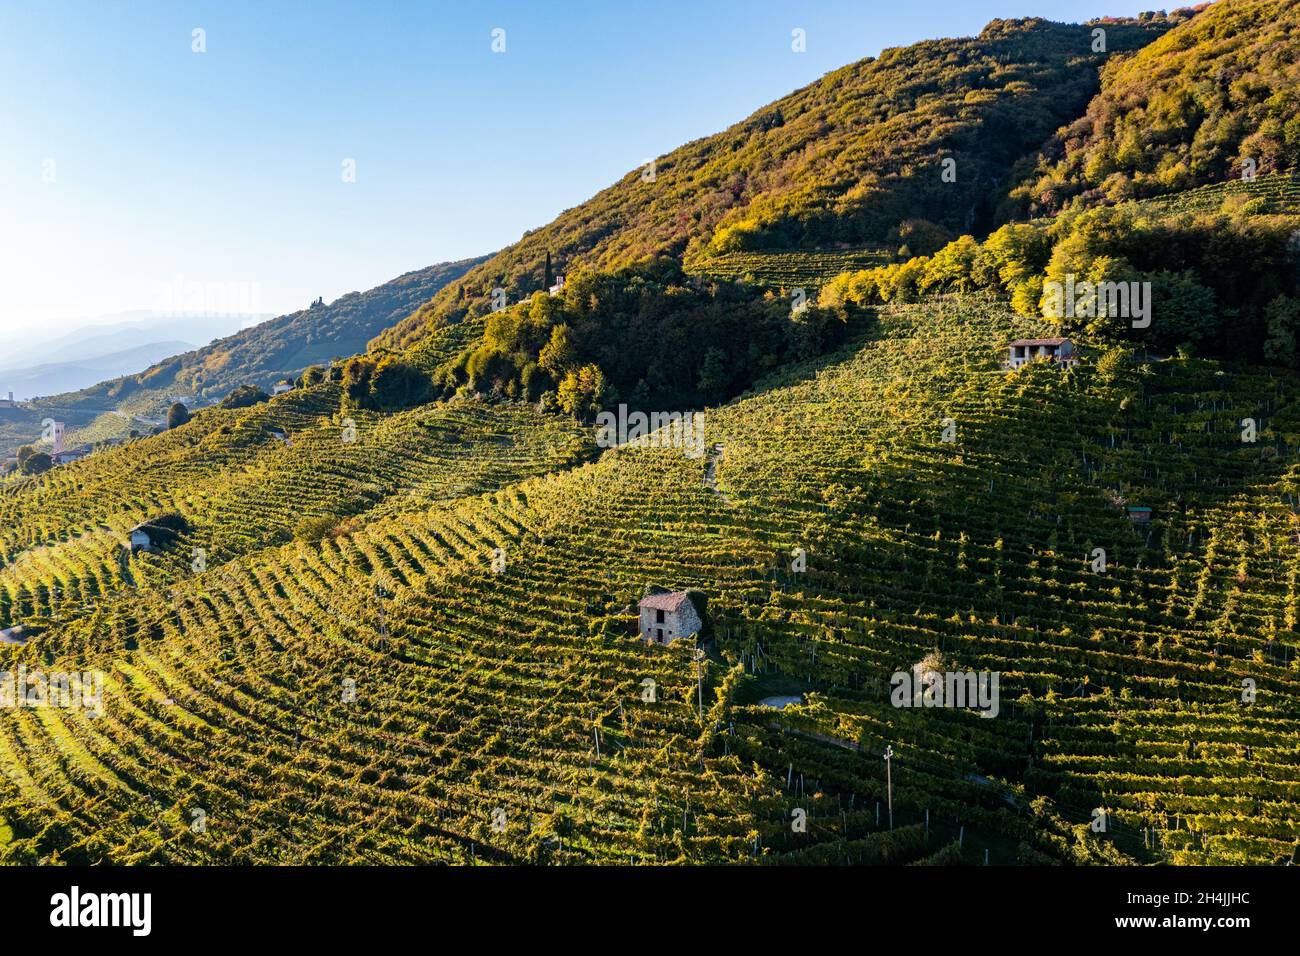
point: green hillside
(391, 615)
(244, 479)
(479, 690)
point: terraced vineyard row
(246, 479)
(999, 528)
(1276, 193)
(788, 270)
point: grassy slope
(478, 691)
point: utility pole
(889, 784)
(699, 680)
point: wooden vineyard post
(889, 785)
(699, 680)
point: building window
(659, 617)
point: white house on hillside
(666, 617)
(140, 538)
(71, 454)
(1023, 351)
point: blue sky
(225, 167)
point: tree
(952, 266)
(548, 277)
(37, 463)
(311, 376)
(557, 356)
(1019, 251)
(244, 397)
(1184, 310)
(397, 384)
(488, 367)
(715, 373)
(1282, 318)
(583, 392)
(356, 378)
(1115, 366)
(177, 415)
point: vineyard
(1277, 194)
(789, 269)
(452, 673)
(247, 478)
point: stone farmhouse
(667, 616)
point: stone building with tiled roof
(667, 616)
(1023, 351)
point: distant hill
(278, 348)
(286, 345)
(117, 332)
(71, 376)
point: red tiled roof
(1057, 341)
(664, 602)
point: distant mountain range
(105, 380)
(106, 343)
(56, 377)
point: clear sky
(128, 162)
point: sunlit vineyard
(455, 676)
(790, 269)
(244, 479)
(1275, 194)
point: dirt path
(711, 471)
(124, 562)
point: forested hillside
(1213, 99)
(855, 158)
